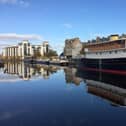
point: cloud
(14, 36)
(22, 3)
(8, 1)
(67, 25)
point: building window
(25, 49)
(29, 51)
(21, 51)
(14, 52)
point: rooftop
(104, 42)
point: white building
(25, 49)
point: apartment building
(25, 49)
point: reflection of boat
(46, 61)
(115, 95)
(34, 61)
(59, 62)
(108, 86)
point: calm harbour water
(41, 95)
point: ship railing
(103, 51)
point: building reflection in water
(111, 87)
(107, 86)
(70, 76)
(27, 72)
(24, 72)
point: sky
(57, 20)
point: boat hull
(115, 65)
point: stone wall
(72, 47)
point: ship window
(116, 51)
(110, 52)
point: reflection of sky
(8, 77)
(10, 114)
(53, 102)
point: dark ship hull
(113, 65)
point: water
(41, 95)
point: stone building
(25, 49)
(72, 48)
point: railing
(112, 50)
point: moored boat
(106, 57)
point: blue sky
(56, 20)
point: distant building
(25, 49)
(72, 48)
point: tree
(98, 39)
(37, 54)
(51, 53)
(123, 36)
